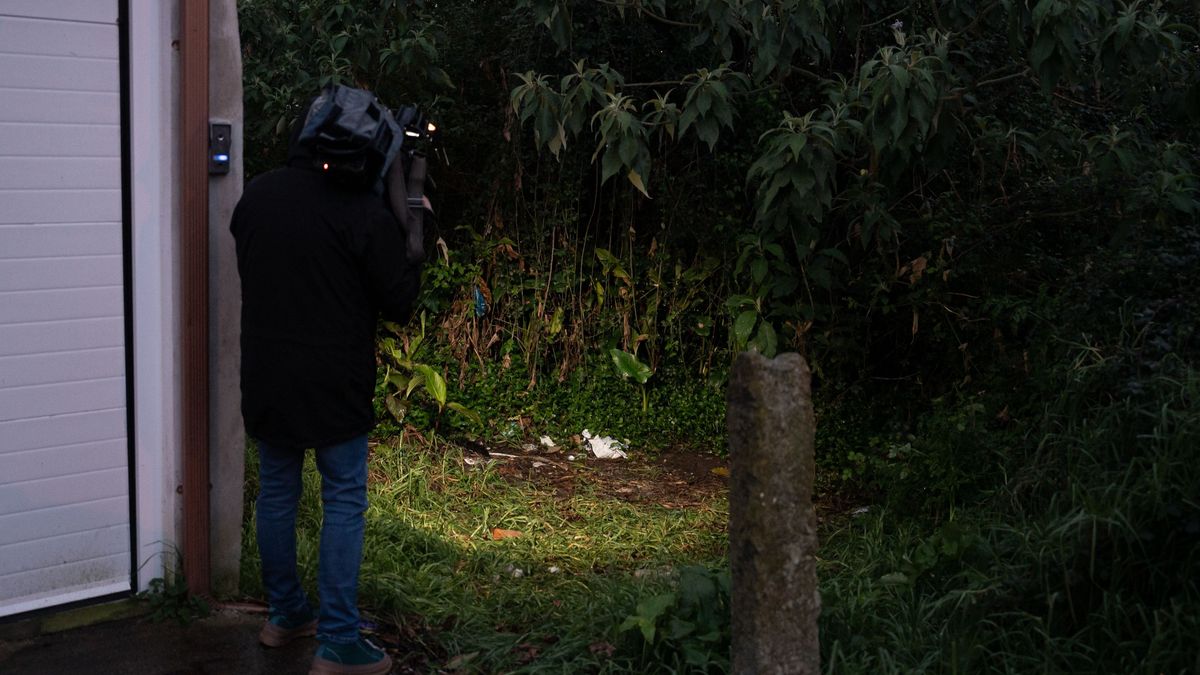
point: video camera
(358, 141)
(350, 134)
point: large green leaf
(465, 412)
(743, 324)
(629, 366)
(435, 384)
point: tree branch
(637, 7)
(997, 80)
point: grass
(549, 600)
(1083, 555)
(1084, 560)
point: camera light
(221, 158)
(432, 127)
(325, 166)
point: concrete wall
(227, 443)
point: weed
(170, 600)
(686, 629)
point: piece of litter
(571, 457)
(472, 461)
(553, 569)
(860, 510)
(538, 465)
(605, 447)
(499, 533)
(547, 441)
(515, 572)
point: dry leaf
(918, 268)
(721, 471)
(499, 533)
(602, 649)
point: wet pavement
(226, 642)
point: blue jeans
(343, 470)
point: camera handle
(406, 198)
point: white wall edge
(154, 87)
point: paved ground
(225, 643)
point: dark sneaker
(356, 658)
(281, 629)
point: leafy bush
(684, 630)
(1085, 560)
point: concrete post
(772, 525)
(227, 443)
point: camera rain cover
(351, 127)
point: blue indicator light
(221, 158)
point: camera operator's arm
(394, 280)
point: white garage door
(64, 474)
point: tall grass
(561, 588)
(1086, 559)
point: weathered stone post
(772, 525)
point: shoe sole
(274, 636)
(321, 666)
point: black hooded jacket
(319, 261)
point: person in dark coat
(320, 260)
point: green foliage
(1083, 561)
(977, 221)
(169, 599)
(429, 564)
(403, 375)
(630, 368)
(292, 49)
(686, 629)
(677, 412)
(882, 151)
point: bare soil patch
(674, 479)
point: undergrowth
(1085, 559)
(549, 600)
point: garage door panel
(49, 551)
(41, 173)
(62, 521)
(48, 36)
(40, 495)
(89, 11)
(59, 336)
(28, 465)
(60, 304)
(53, 240)
(64, 452)
(61, 430)
(23, 207)
(58, 367)
(29, 590)
(37, 109)
(58, 73)
(59, 140)
(61, 399)
(59, 273)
